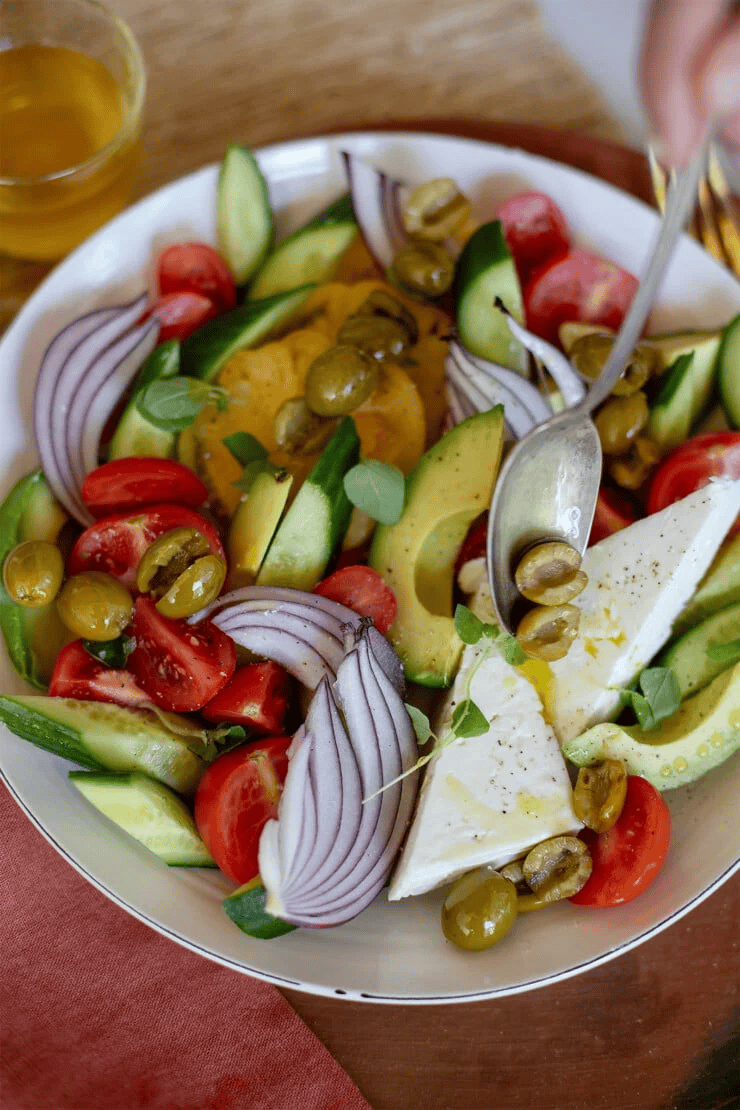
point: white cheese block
(487, 799)
(639, 580)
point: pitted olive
(423, 268)
(589, 353)
(384, 305)
(435, 210)
(547, 632)
(379, 337)
(167, 557)
(339, 380)
(620, 420)
(557, 868)
(197, 586)
(94, 606)
(632, 470)
(550, 574)
(599, 794)
(32, 573)
(298, 431)
(479, 910)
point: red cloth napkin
(99, 1012)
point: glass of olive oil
(72, 86)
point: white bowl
(391, 953)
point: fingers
(718, 79)
(678, 35)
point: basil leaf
(420, 721)
(376, 488)
(724, 653)
(511, 649)
(251, 470)
(112, 653)
(467, 720)
(662, 690)
(642, 709)
(468, 627)
(244, 447)
(172, 404)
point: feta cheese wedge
(639, 580)
(486, 799)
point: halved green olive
(196, 587)
(589, 353)
(548, 631)
(435, 209)
(550, 574)
(94, 606)
(599, 794)
(557, 868)
(32, 573)
(298, 431)
(620, 420)
(386, 306)
(379, 337)
(167, 557)
(423, 268)
(479, 910)
(526, 901)
(632, 470)
(339, 380)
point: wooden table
(658, 1027)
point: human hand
(690, 73)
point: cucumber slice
(318, 518)
(246, 908)
(244, 223)
(255, 521)
(205, 351)
(728, 371)
(149, 812)
(486, 270)
(109, 737)
(688, 658)
(719, 587)
(685, 392)
(135, 435)
(311, 255)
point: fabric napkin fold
(100, 1012)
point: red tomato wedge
(256, 696)
(691, 465)
(628, 858)
(116, 543)
(364, 591)
(126, 484)
(77, 675)
(579, 287)
(196, 268)
(614, 511)
(181, 666)
(180, 314)
(535, 229)
(237, 795)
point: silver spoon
(549, 484)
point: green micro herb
(724, 653)
(376, 488)
(471, 630)
(251, 470)
(172, 404)
(658, 697)
(245, 448)
(420, 721)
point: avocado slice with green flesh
(255, 521)
(687, 656)
(702, 733)
(449, 487)
(719, 587)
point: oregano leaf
(378, 489)
(468, 720)
(662, 690)
(172, 404)
(420, 721)
(468, 627)
(244, 447)
(511, 649)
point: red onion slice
(485, 384)
(554, 361)
(377, 207)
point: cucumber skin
(60, 740)
(729, 382)
(246, 908)
(340, 211)
(224, 245)
(274, 276)
(485, 251)
(163, 363)
(686, 656)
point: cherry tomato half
(125, 484)
(363, 590)
(691, 465)
(535, 229)
(256, 696)
(77, 675)
(196, 268)
(180, 314)
(474, 544)
(579, 287)
(628, 857)
(614, 510)
(237, 795)
(116, 543)
(181, 666)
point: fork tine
(708, 228)
(659, 180)
(725, 212)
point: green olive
(379, 337)
(94, 606)
(557, 868)
(339, 380)
(298, 431)
(620, 420)
(386, 306)
(435, 209)
(167, 557)
(32, 573)
(423, 268)
(632, 470)
(196, 587)
(479, 910)
(589, 353)
(548, 631)
(550, 574)
(599, 794)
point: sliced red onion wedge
(554, 361)
(485, 384)
(377, 207)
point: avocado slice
(719, 587)
(701, 734)
(687, 656)
(255, 522)
(448, 488)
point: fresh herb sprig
(378, 489)
(658, 696)
(173, 404)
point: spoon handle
(681, 200)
